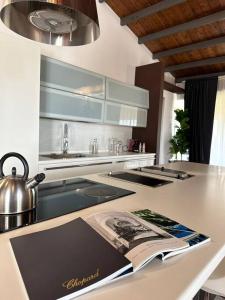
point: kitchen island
(198, 202)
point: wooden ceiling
(199, 25)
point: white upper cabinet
(71, 93)
(66, 77)
(120, 114)
(56, 104)
(123, 93)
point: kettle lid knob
(13, 171)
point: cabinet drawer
(120, 92)
(139, 163)
(120, 114)
(62, 76)
(57, 104)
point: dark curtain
(200, 98)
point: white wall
(80, 135)
(115, 54)
(166, 127)
(169, 77)
(166, 122)
(19, 100)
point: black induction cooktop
(144, 180)
(63, 197)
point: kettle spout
(32, 183)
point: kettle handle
(20, 157)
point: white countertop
(101, 156)
(198, 202)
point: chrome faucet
(65, 138)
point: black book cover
(63, 260)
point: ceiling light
(72, 22)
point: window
(217, 156)
(178, 103)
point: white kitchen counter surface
(106, 156)
(198, 202)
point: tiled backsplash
(80, 135)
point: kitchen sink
(64, 155)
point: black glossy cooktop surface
(144, 180)
(63, 197)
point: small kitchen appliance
(17, 193)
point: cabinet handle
(76, 166)
(131, 160)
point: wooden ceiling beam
(172, 88)
(150, 10)
(209, 75)
(190, 47)
(219, 16)
(197, 63)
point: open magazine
(191, 237)
(141, 238)
(69, 260)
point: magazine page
(58, 263)
(133, 237)
(193, 238)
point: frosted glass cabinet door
(63, 76)
(120, 114)
(120, 92)
(62, 105)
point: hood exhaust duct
(53, 22)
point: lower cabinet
(120, 114)
(140, 163)
(53, 173)
(69, 170)
(57, 104)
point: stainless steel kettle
(17, 193)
